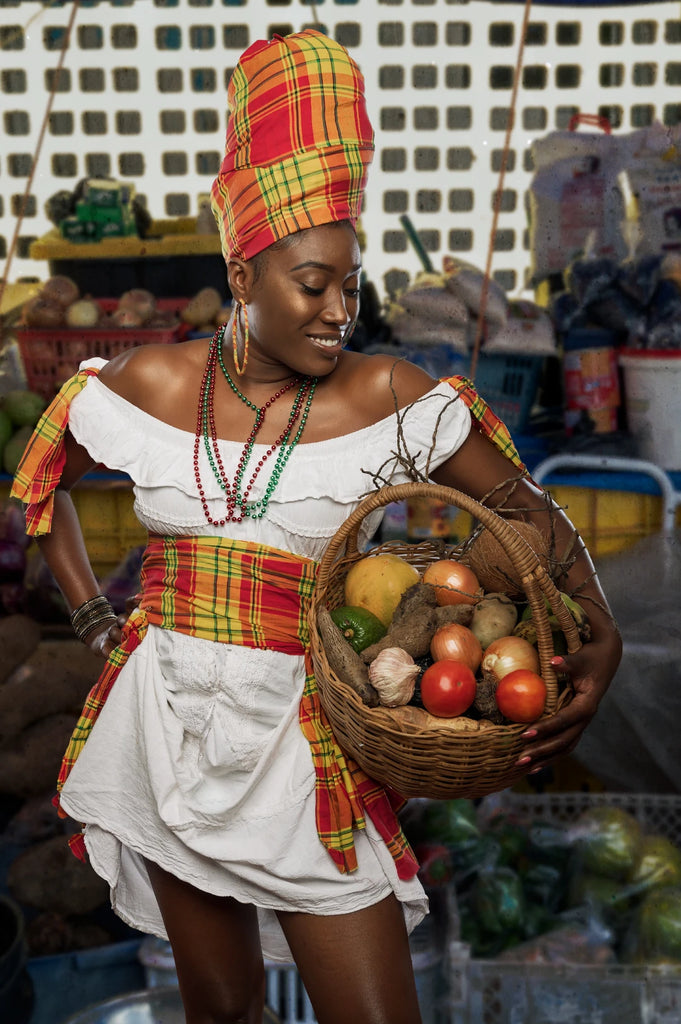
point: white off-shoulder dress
(197, 761)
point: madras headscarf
(299, 142)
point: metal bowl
(150, 1006)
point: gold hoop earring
(235, 345)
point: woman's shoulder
(150, 374)
(382, 383)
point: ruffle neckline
(153, 453)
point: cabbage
(608, 840)
(499, 900)
(6, 430)
(659, 926)
(23, 407)
(658, 863)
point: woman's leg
(216, 946)
(356, 967)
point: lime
(359, 626)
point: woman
(203, 787)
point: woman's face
(302, 300)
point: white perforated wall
(143, 99)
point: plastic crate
(50, 357)
(496, 992)
(656, 812)
(68, 982)
(508, 382)
(104, 503)
(109, 524)
(505, 993)
(613, 502)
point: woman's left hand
(102, 642)
(590, 671)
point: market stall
(579, 352)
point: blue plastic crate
(509, 384)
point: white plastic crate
(658, 813)
(497, 992)
(504, 993)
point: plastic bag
(528, 330)
(632, 743)
(574, 199)
(568, 944)
(468, 283)
(654, 175)
(607, 841)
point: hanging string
(496, 203)
(18, 34)
(4, 280)
(315, 15)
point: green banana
(527, 630)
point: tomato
(521, 695)
(447, 688)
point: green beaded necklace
(238, 504)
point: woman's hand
(105, 638)
(590, 671)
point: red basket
(52, 356)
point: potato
(493, 617)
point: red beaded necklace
(237, 501)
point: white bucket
(652, 398)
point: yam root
(344, 660)
(461, 613)
(412, 624)
(19, 637)
(416, 618)
(485, 703)
(55, 678)
(409, 718)
(48, 877)
(29, 764)
(50, 933)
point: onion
(61, 289)
(507, 654)
(125, 318)
(454, 582)
(202, 308)
(454, 642)
(83, 313)
(141, 301)
(42, 313)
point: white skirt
(198, 763)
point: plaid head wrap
(299, 142)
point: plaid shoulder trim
(486, 421)
(42, 463)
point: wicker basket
(435, 761)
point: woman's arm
(480, 470)
(64, 549)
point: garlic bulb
(393, 674)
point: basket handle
(536, 581)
